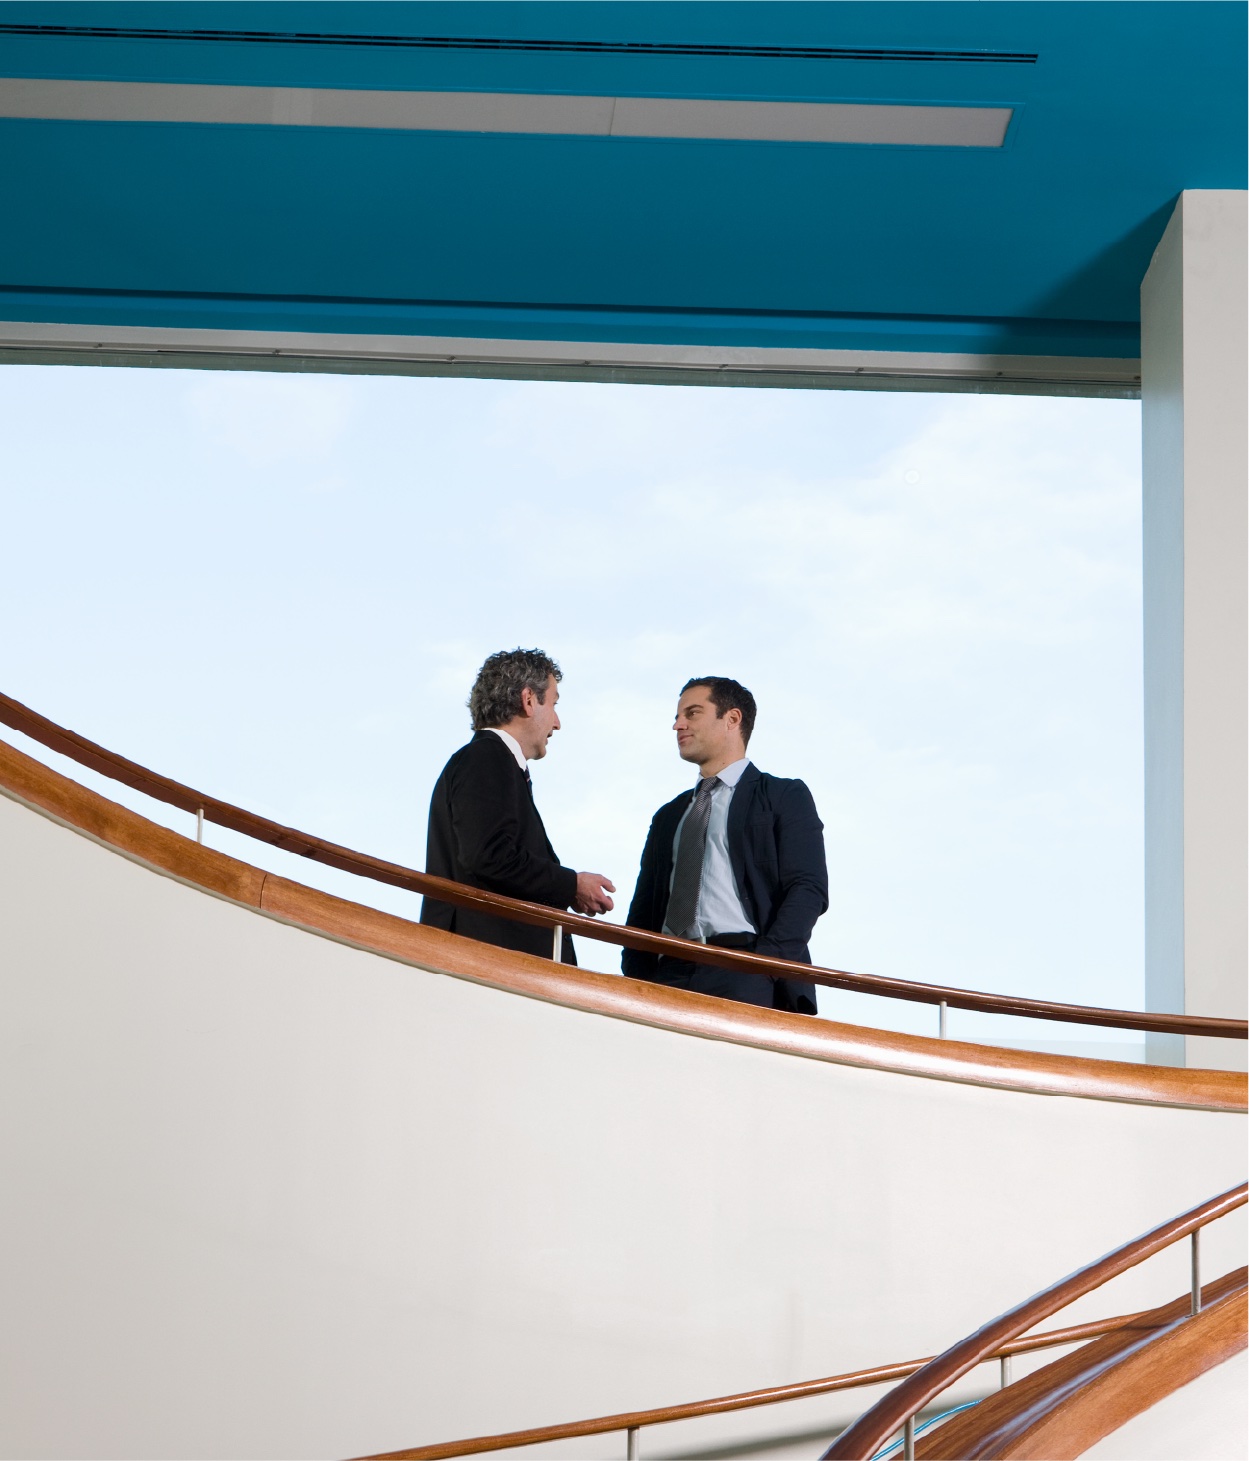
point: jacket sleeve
(643, 910)
(802, 893)
(485, 821)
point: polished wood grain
(1109, 1400)
(37, 785)
(631, 1000)
(1061, 1410)
(874, 1428)
(173, 793)
(747, 1400)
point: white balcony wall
(270, 1195)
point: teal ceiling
(1034, 248)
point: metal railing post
(908, 1439)
(1005, 1362)
(941, 1020)
(199, 825)
(557, 943)
(632, 1453)
(1195, 1306)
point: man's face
(702, 736)
(544, 721)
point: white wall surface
(269, 1195)
(1196, 586)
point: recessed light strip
(517, 43)
(870, 123)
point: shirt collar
(733, 773)
(513, 745)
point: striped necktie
(688, 876)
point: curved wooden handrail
(746, 1400)
(874, 1428)
(33, 784)
(161, 788)
(1072, 1403)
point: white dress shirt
(512, 744)
(719, 906)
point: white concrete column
(1196, 551)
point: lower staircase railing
(897, 1410)
(632, 1423)
(890, 1425)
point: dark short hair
(728, 695)
(495, 697)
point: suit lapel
(739, 815)
(537, 816)
(526, 800)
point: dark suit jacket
(776, 847)
(485, 830)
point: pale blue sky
(277, 588)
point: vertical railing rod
(632, 1453)
(1005, 1370)
(199, 824)
(557, 943)
(941, 1020)
(908, 1439)
(1196, 1300)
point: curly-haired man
(484, 828)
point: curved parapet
(293, 1176)
(628, 998)
(461, 895)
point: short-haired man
(484, 828)
(738, 862)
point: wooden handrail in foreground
(747, 1400)
(161, 788)
(875, 1427)
(32, 783)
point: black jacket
(485, 830)
(776, 847)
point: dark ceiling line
(508, 43)
(505, 307)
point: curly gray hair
(500, 682)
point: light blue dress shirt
(719, 906)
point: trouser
(740, 984)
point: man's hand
(592, 891)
